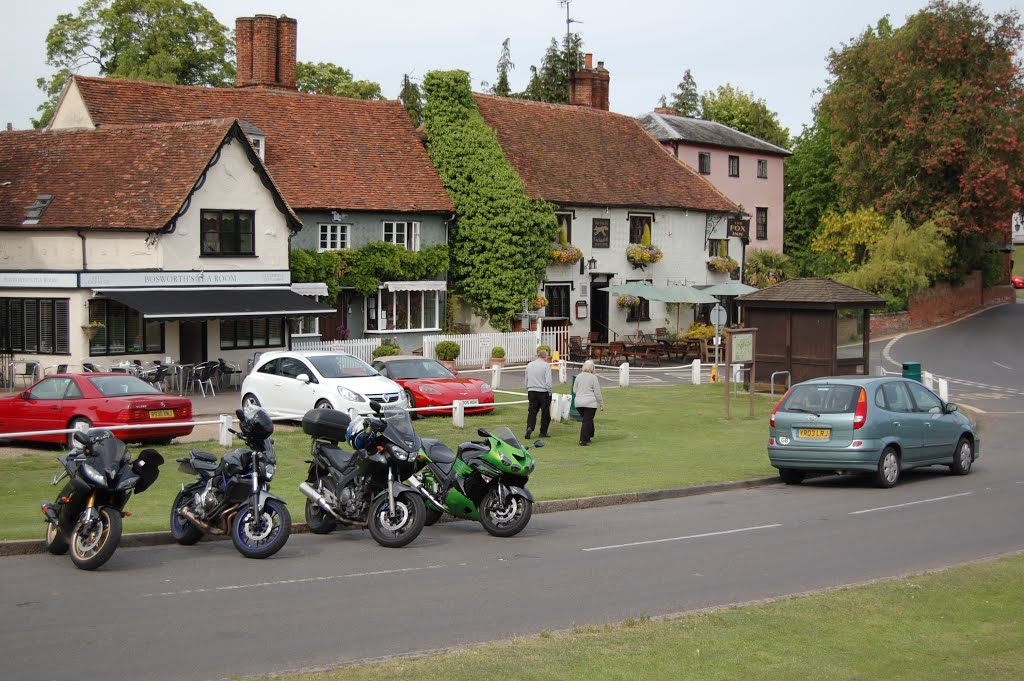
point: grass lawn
(962, 623)
(647, 438)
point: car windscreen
(112, 386)
(415, 368)
(817, 398)
(341, 366)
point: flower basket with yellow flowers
(627, 301)
(725, 265)
(566, 255)
(537, 302)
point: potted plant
(538, 302)
(565, 253)
(386, 348)
(497, 356)
(447, 352)
(92, 328)
(626, 302)
(642, 254)
(725, 264)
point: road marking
(911, 503)
(691, 536)
(235, 587)
(1001, 365)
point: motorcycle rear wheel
(55, 541)
(317, 519)
(264, 536)
(410, 514)
(507, 520)
(184, 532)
(93, 546)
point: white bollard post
(556, 407)
(561, 371)
(624, 375)
(944, 390)
(928, 380)
(458, 414)
(224, 435)
(695, 372)
(496, 376)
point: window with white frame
(333, 237)
(405, 234)
(257, 144)
(414, 310)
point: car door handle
(895, 424)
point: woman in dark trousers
(588, 400)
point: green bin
(574, 413)
(912, 370)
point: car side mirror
(24, 395)
(951, 407)
(304, 378)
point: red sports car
(99, 400)
(428, 383)
(1018, 281)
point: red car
(99, 400)
(1018, 280)
(428, 383)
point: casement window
(39, 325)
(565, 222)
(704, 163)
(333, 237)
(762, 168)
(641, 312)
(228, 232)
(406, 234)
(762, 223)
(125, 331)
(260, 332)
(415, 309)
(637, 223)
(734, 166)
(258, 145)
(558, 300)
(718, 247)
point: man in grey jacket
(538, 388)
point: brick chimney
(265, 48)
(665, 111)
(589, 87)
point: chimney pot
(589, 60)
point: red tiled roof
(584, 156)
(131, 177)
(324, 152)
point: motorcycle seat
(336, 456)
(438, 451)
(203, 456)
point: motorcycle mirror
(80, 437)
(376, 406)
(482, 432)
(239, 414)
(538, 443)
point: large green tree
(928, 119)
(733, 107)
(686, 100)
(501, 86)
(500, 238)
(324, 78)
(811, 192)
(168, 41)
(412, 100)
(550, 81)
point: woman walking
(588, 399)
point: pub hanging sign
(739, 228)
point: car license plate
(471, 402)
(814, 433)
(161, 413)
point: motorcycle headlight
(399, 453)
(350, 395)
(92, 475)
(270, 470)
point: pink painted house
(746, 169)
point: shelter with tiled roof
(746, 169)
(610, 181)
(88, 216)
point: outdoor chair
(230, 371)
(155, 376)
(28, 373)
(576, 351)
(202, 376)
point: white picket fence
(475, 348)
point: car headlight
(429, 390)
(486, 388)
(92, 475)
(350, 395)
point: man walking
(538, 387)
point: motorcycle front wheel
(262, 536)
(317, 519)
(184, 532)
(507, 520)
(55, 542)
(394, 531)
(93, 543)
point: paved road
(204, 612)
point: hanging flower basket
(724, 265)
(640, 256)
(626, 302)
(91, 329)
(537, 302)
(566, 255)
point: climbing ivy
(501, 238)
(364, 269)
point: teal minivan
(863, 424)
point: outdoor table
(597, 350)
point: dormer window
(34, 212)
(258, 145)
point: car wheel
(412, 405)
(963, 457)
(791, 476)
(323, 404)
(250, 401)
(888, 472)
(73, 424)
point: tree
(849, 236)
(763, 267)
(500, 238)
(928, 118)
(686, 99)
(324, 78)
(412, 100)
(811, 189)
(501, 87)
(550, 82)
(737, 109)
(167, 41)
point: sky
(774, 51)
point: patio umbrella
(730, 289)
(680, 295)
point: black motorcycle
(363, 488)
(87, 515)
(233, 495)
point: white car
(292, 383)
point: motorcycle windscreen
(400, 431)
(147, 467)
(106, 454)
(505, 434)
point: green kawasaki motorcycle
(485, 481)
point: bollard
(561, 372)
(944, 390)
(224, 435)
(496, 376)
(556, 407)
(695, 372)
(624, 375)
(458, 414)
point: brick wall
(940, 304)
(590, 86)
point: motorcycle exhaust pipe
(319, 499)
(205, 527)
(415, 483)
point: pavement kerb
(24, 547)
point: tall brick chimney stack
(589, 87)
(265, 47)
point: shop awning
(416, 285)
(215, 303)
